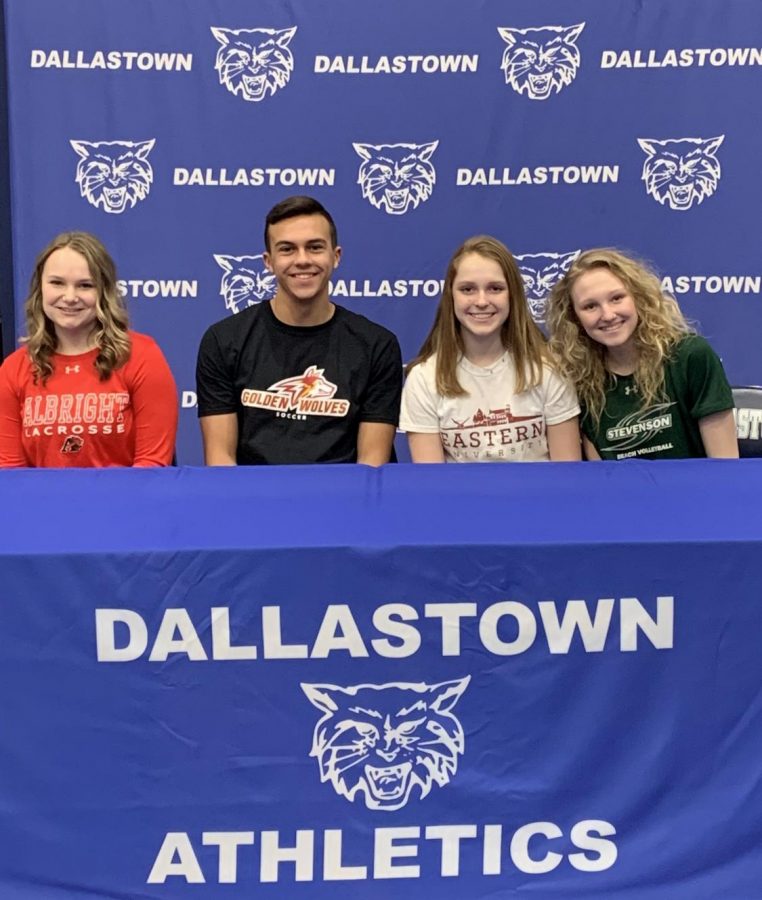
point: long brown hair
(110, 327)
(582, 360)
(519, 334)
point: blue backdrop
(169, 129)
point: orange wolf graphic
(311, 384)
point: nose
(608, 312)
(70, 292)
(302, 257)
(387, 755)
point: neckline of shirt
(485, 371)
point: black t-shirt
(300, 392)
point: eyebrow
(315, 240)
(56, 275)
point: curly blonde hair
(582, 360)
(110, 333)
(519, 334)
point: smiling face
(301, 257)
(481, 300)
(606, 310)
(69, 298)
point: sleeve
(215, 390)
(419, 406)
(560, 399)
(12, 454)
(709, 390)
(153, 395)
(381, 402)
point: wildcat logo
(540, 272)
(396, 177)
(253, 63)
(308, 394)
(113, 175)
(245, 282)
(540, 62)
(387, 741)
(681, 171)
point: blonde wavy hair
(110, 334)
(520, 336)
(582, 360)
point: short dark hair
(298, 206)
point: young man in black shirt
(298, 379)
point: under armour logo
(69, 369)
(630, 390)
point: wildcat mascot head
(253, 63)
(245, 281)
(683, 171)
(396, 177)
(539, 62)
(386, 741)
(113, 175)
(540, 272)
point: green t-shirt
(695, 386)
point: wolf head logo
(396, 177)
(113, 175)
(387, 741)
(254, 63)
(540, 272)
(312, 383)
(682, 171)
(245, 281)
(539, 62)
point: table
(452, 681)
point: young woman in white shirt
(483, 387)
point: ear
(283, 38)
(223, 262)
(447, 694)
(571, 33)
(143, 148)
(82, 148)
(566, 259)
(648, 146)
(363, 150)
(320, 695)
(222, 35)
(508, 35)
(426, 150)
(712, 145)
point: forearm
(564, 441)
(718, 434)
(589, 448)
(425, 448)
(374, 443)
(220, 437)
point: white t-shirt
(492, 423)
